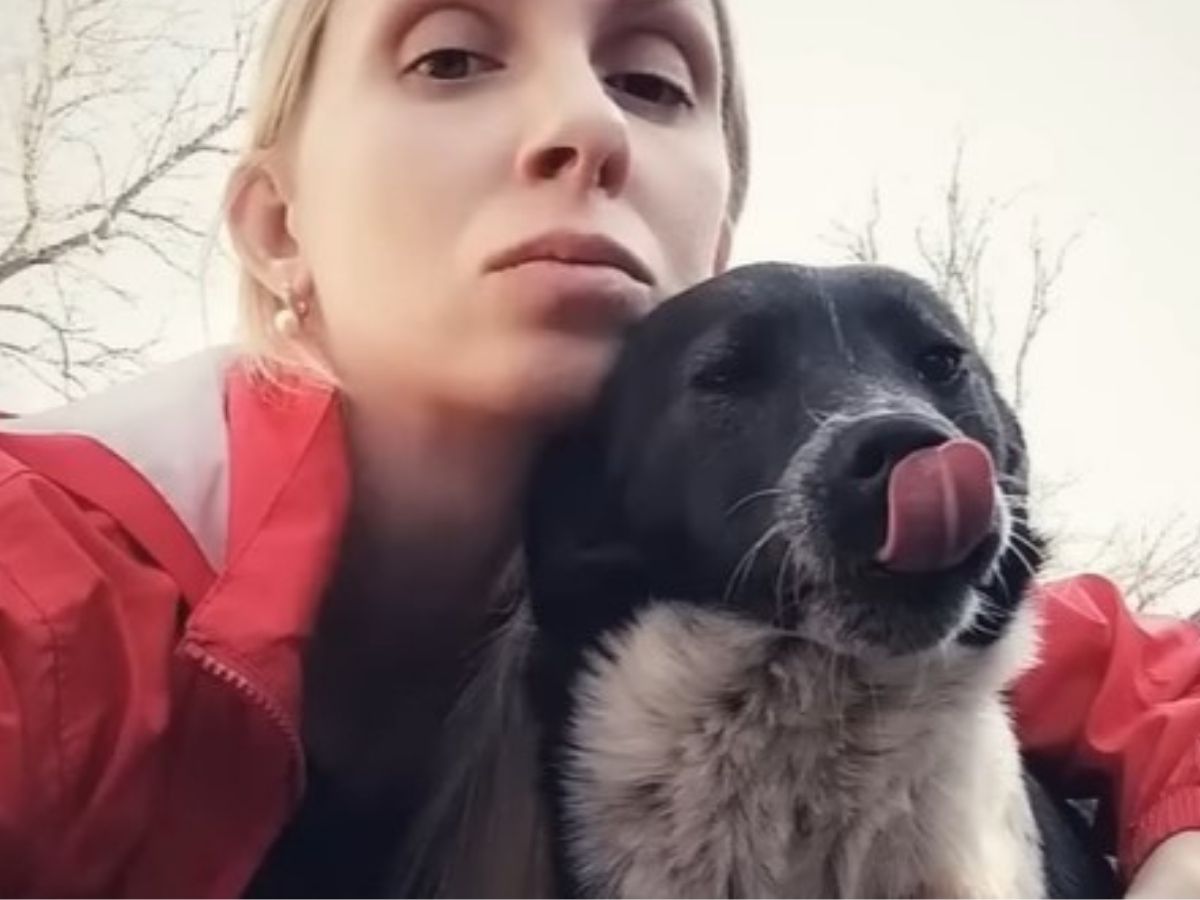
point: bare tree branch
(120, 205)
(861, 243)
(118, 106)
(956, 250)
(1047, 266)
(1152, 562)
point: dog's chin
(869, 611)
(909, 627)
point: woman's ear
(257, 213)
(724, 247)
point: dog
(779, 583)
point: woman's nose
(578, 134)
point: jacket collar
(238, 488)
(169, 430)
(289, 492)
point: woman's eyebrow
(698, 4)
(699, 13)
(694, 21)
(701, 8)
(397, 15)
(394, 19)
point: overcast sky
(1088, 111)
(1083, 113)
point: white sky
(1087, 111)
(1090, 109)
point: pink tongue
(940, 504)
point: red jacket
(157, 586)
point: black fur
(713, 394)
(663, 489)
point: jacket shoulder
(86, 627)
(56, 547)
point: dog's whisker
(1018, 538)
(1019, 541)
(992, 610)
(791, 567)
(742, 570)
(749, 498)
(994, 576)
(780, 575)
(1013, 499)
(794, 567)
(1020, 545)
(1025, 562)
(801, 575)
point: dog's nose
(868, 450)
(855, 472)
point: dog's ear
(584, 572)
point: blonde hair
(289, 52)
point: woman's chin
(537, 378)
(546, 378)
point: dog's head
(820, 449)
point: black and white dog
(779, 582)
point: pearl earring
(289, 317)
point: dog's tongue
(939, 507)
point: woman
(447, 213)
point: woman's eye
(941, 366)
(452, 64)
(649, 88)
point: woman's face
(484, 192)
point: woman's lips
(569, 294)
(577, 247)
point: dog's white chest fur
(715, 758)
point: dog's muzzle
(904, 492)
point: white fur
(715, 757)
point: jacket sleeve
(1114, 705)
(29, 761)
(86, 626)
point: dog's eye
(941, 365)
(728, 369)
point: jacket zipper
(259, 698)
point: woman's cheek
(693, 213)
